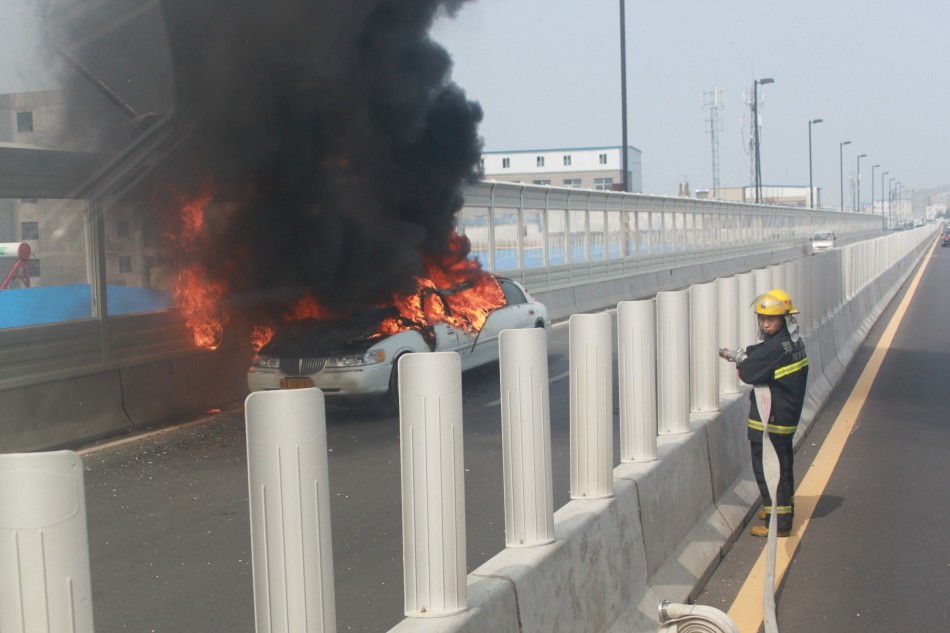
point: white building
(581, 167)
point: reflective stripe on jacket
(783, 365)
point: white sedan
(337, 357)
(822, 241)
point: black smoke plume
(334, 135)
(336, 141)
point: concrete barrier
(670, 520)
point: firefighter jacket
(782, 364)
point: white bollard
(729, 307)
(433, 484)
(778, 276)
(526, 437)
(636, 358)
(591, 391)
(289, 498)
(790, 275)
(806, 303)
(748, 326)
(703, 348)
(821, 275)
(672, 361)
(763, 280)
(847, 257)
(840, 285)
(45, 583)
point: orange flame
(199, 299)
(260, 336)
(454, 290)
(195, 294)
(308, 308)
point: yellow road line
(746, 610)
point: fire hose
(770, 467)
(687, 618)
(694, 618)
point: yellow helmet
(775, 302)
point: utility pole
(712, 100)
(625, 180)
(756, 159)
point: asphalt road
(876, 554)
(169, 524)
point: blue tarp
(32, 306)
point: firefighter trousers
(785, 508)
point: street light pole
(623, 93)
(873, 167)
(857, 184)
(841, 170)
(882, 197)
(755, 131)
(899, 199)
(890, 199)
(811, 187)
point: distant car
(822, 241)
(945, 239)
(348, 358)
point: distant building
(598, 168)
(791, 196)
(58, 230)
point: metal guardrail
(549, 237)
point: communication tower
(712, 101)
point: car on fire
(822, 241)
(347, 357)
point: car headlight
(268, 362)
(371, 357)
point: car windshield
(824, 236)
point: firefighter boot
(763, 531)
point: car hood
(322, 337)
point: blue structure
(35, 306)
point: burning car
(358, 355)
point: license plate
(296, 383)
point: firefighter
(780, 362)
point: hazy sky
(547, 73)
